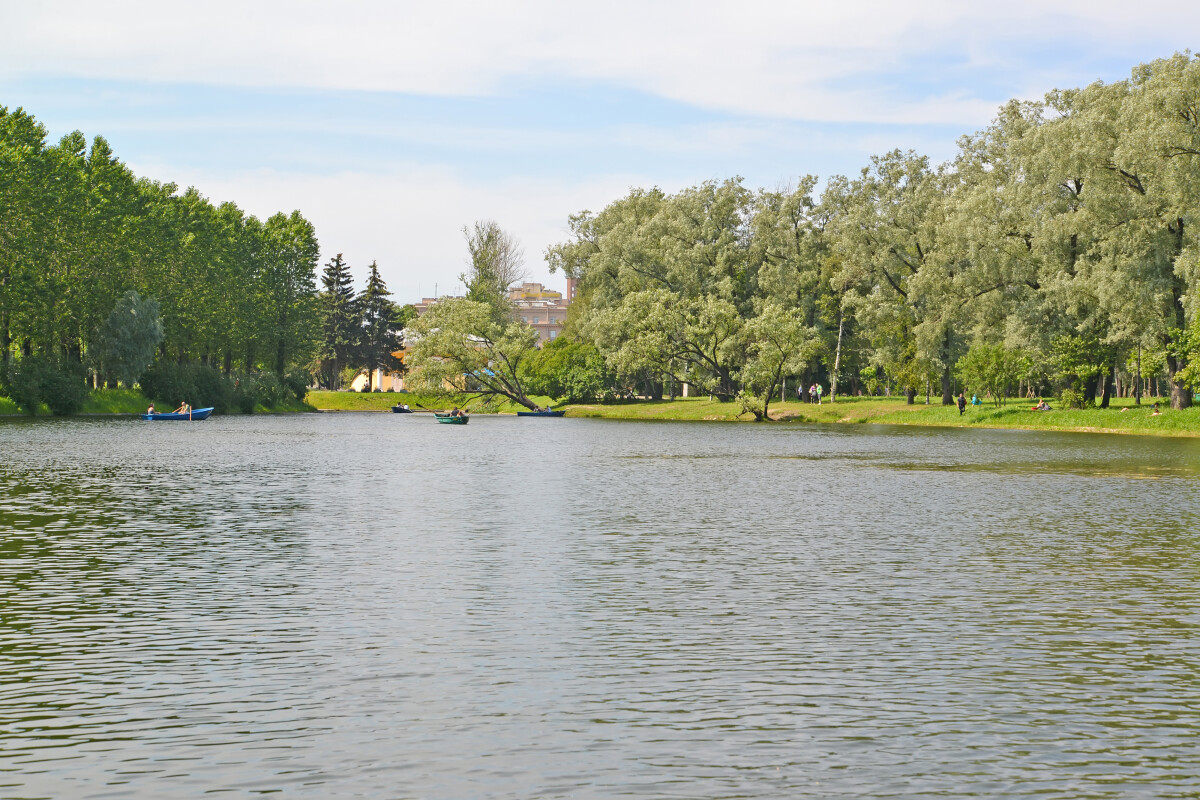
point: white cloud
(800, 60)
(409, 220)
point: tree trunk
(1180, 396)
(947, 394)
(1089, 390)
(910, 395)
(837, 358)
(5, 339)
(228, 366)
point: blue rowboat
(540, 413)
(197, 414)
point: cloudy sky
(391, 125)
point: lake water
(356, 605)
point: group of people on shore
(814, 393)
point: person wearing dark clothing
(962, 404)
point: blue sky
(392, 125)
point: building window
(553, 334)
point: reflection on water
(379, 606)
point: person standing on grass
(962, 404)
(819, 390)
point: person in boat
(183, 409)
(150, 410)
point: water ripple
(365, 606)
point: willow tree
(497, 263)
(892, 245)
(461, 347)
(677, 269)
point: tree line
(78, 230)
(103, 273)
(1057, 252)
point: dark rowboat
(449, 420)
(196, 414)
(401, 410)
(540, 413)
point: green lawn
(115, 401)
(383, 401)
(1123, 417)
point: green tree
(497, 263)
(127, 339)
(341, 320)
(380, 326)
(570, 372)
(462, 348)
(287, 288)
(779, 345)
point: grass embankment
(894, 411)
(383, 401)
(131, 401)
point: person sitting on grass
(1154, 412)
(1042, 406)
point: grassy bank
(131, 401)
(1123, 417)
(383, 401)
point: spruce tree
(341, 320)
(380, 337)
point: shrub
(1072, 398)
(64, 388)
(261, 388)
(297, 382)
(23, 383)
(39, 379)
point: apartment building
(543, 309)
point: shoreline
(1123, 418)
(1014, 415)
(1135, 420)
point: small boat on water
(194, 414)
(449, 420)
(401, 410)
(546, 413)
